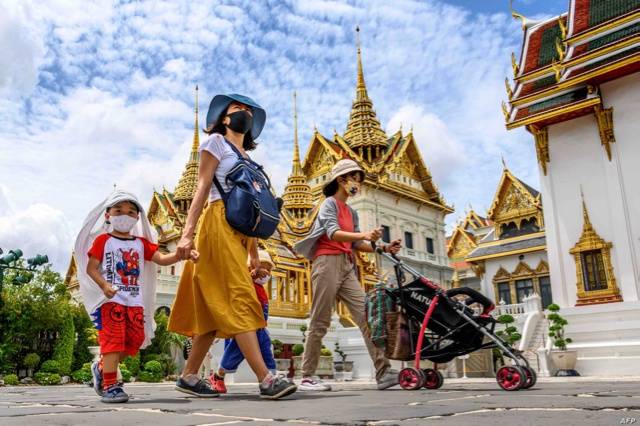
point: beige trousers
(334, 276)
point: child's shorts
(122, 328)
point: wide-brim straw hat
(265, 257)
(341, 168)
(220, 103)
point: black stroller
(444, 324)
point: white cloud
(38, 229)
(22, 50)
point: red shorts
(122, 328)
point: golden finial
(505, 111)
(196, 131)
(514, 65)
(585, 213)
(560, 49)
(517, 15)
(361, 88)
(504, 163)
(297, 167)
(508, 87)
(563, 28)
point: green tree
(84, 330)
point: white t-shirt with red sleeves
(122, 265)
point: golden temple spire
(361, 88)
(364, 133)
(585, 214)
(297, 166)
(186, 187)
(297, 197)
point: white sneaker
(388, 379)
(313, 384)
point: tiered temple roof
(565, 58)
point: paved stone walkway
(459, 402)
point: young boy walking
(117, 283)
(330, 245)
(232, 356)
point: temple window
(524, 288)
(595, 279)
(545, 291)
(504, 293)
(408, 240)
(386, 234)
(430, 245)
(593, 272)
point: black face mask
(240, 121)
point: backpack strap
(250, 161)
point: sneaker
(217, 383)
(388, 379)
(114, 394)
(313, 384)
(201, 388)
(97, 378)
(278, 387)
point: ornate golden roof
(186, 187)
(363, 128)
(298, 200)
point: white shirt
(227, 158)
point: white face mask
(123, 223)
(263, 281)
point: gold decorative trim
(522, 271)
(604, 117)
(602, 28)
(508, 88)
(542, 145)
(478, 268)
(533, 119)
(514, 65)
(590, 241)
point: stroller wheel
(511, 377)
(410, 378)
(531, 377)
(433, 378)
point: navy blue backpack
(250, 206)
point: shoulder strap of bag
(249, 160)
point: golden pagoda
(186, 188)
(364, 133)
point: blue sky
(94, 93)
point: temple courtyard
(567, 401)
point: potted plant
(344, 367)
(564, 360)
(325, 365)
(282, 364)
(510, 335)
(92, 340)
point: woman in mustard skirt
(216, 296)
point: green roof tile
(547, 52)
(603, 10)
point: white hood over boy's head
(94, 225)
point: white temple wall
(579, 161)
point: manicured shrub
(63, 350)
(47, 379)
(147, 376)
(81, 376)
(50, 366)
(126, 374)
(132, 363)
(31, 360)
(325, 352)
(153, 367)
(11, 380)
(298, 349)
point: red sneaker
(217, 383)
